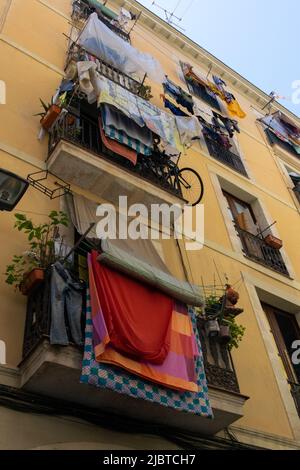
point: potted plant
(27, 270)
(236, 332)
(225, 333)
(49, 115)
(52, 110)
(213, 308)
(274, 242)
(145, 92)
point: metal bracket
(60, 186)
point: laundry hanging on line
(181, 97)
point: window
(255, 245)
(200, 91)
(285, 330)
(242, 214)
(274, 140)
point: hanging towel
(174, 109)
(116, 147)
(124, 139)
(117, 96)
(235, 109)
(118, 380)
(189, 129)
(138, 317)
(121, 122)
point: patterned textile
(124, 139)
(141, 111)
(109, 377)
(122, 99)
(113, 117)
(116, 147)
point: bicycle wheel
(191, 186)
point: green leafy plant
(45, 107)
(41, 245)
(62, 101)
(236, 332)
(145, 92)
(213, 305)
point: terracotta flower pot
(274, 242)
(48, 120)
(31, 280)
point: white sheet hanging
(99, 40)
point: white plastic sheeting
(100, 41)
(189, 128)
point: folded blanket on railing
(117, 258)
(118, 380)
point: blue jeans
(66, 295)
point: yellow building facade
(263, 410)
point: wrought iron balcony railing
(81, 11)
(85, 133)
(219, 367)
(225, 156)
(217, 360)
(258, 250)
(77, 53)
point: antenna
(170, 16)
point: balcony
(258, 250)
(276, 142)
(200, 92)
(219, 367)
(223, 155)
(78, 155)
(55, 371)
(81, 11)
(77, 53)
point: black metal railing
(81, 11)
(77, 53)
(200, 92)
(258, 250)
(217, 359)
(218, 364)
(85, 133)
(225, 156)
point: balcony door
(246, 225)
(285, 330)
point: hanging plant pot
(50, 117)
(31, 280)
(224, 333)
(274, 242)
(212, 328)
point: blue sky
(257, 38)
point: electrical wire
(187, 9)
(178, 3)
(26, 402)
